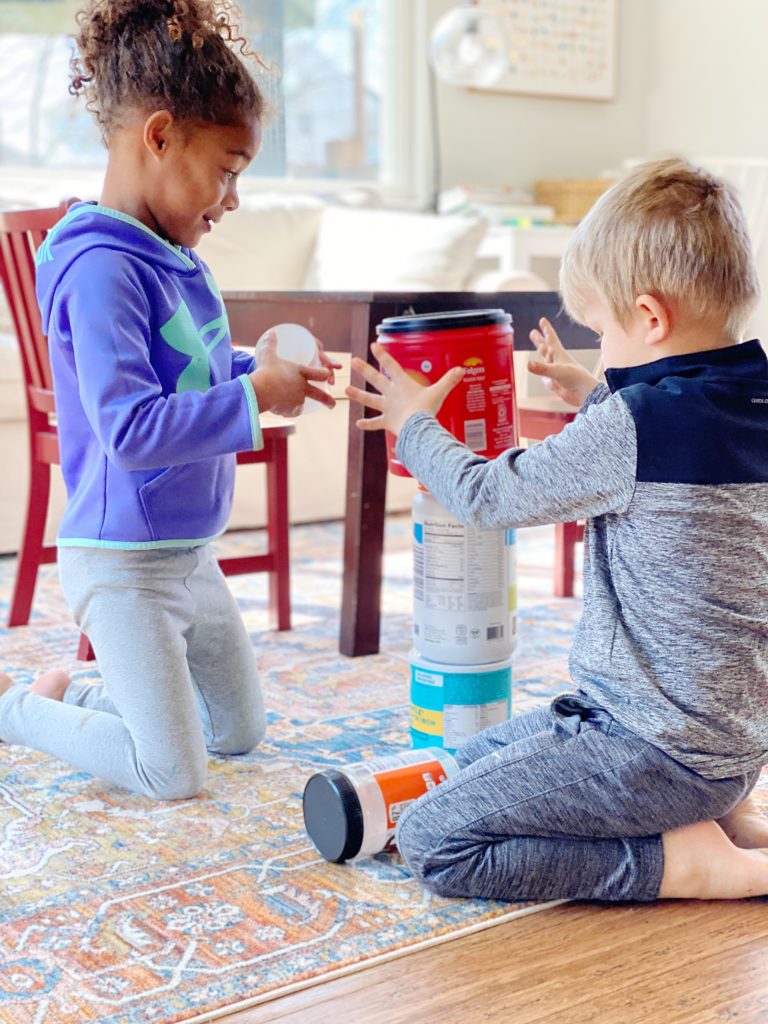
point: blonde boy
(615, 791)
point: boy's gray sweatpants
(558, 803)
(178, 673)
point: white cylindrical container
(298, 345)
(464, 588)
(353, 811)
(451, 703)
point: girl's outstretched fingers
(326, 361)
(311, 373)
(322, 397)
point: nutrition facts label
(463, 595)
(459, 569)
(489, 417)
(462, 722)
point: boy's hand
(282, 386)
(400, 396)
(563, 376)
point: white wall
(708, 77)
(500, 138)
(707, 87)
(692, 79)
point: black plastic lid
(460, 318)
(333, 816)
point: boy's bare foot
(746, 825)
(701, 863)
(52, 684)
(5, 683)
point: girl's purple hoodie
(152, 401)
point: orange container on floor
(481, 410)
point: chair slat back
(21, 234)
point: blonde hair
(669, 229)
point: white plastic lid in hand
(297, 344)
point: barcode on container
(474, 435)
(495, 633)
(418, 572)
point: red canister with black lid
(481, 410)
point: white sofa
(273, 242)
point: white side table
(536, 250)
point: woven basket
(570, 197)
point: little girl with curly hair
(152, 404)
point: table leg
(567, 535)
(364, 517)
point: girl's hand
(563, 376)
(282, 386)
(400, 396)
(325, 360)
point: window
(336, 109)
(327, 111)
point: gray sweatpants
(177, 666)
(558, 803)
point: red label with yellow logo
(480, 410)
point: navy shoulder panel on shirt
(701, 431)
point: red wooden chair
(21, 232)
(540, 417)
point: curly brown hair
(184, 56)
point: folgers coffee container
(353, 812)
(480, 411)
(464, 587)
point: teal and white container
(464, 588)
(451, 703)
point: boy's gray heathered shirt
(669, 464)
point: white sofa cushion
(266, 244)
(386, 250)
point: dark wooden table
(346, 322)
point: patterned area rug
(118, 909)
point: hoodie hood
(88, 226)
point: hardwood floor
(667, 963)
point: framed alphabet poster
(563, 48)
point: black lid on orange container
(333, 816)
(460, 318)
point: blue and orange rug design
(118, 909)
